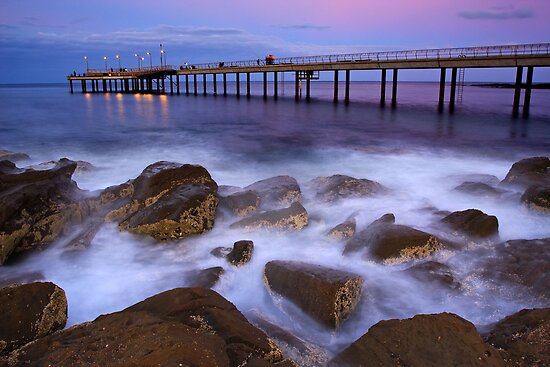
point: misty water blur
(416, 153)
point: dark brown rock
(473, 223)
(206, 278)
(30, 311)
(523, 338)
(81, 166)
(277, 192)
(479, 189)
(36, 207)
(241, 203)
(23, 278)
(529, 171)
(221, 252)
(392, 243)
(13, 157)
(343, 230)
(433, 272)
(341, 187)
(327, 294)
(422, 341)
(8, 167)
(241, 253)
(187, 326)
(537, 198)
(294, 217)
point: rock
(423, 341)
(537, 198)
(13, 157)
(36, 207)
(473, 223)
(241, 253)
(343, 230)
(433, 272)
(30, 311)
(337, 187)
(183, 326)
(479, 189)
(392, 243)
(524, 263)
(326, 294)
(241, 203)
(294, 217)
(81, 166)
(206, 278)
(277, 192)
(523, 338)
(486, 179)
(8, 167)
(529, 171)
(221, 252)
(23, 278)
(171, 201)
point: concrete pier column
(186, 84)
(104, 85)
(163, 86)
(265, 84)
(204, 84)
(394, 89)
(116, 86)
(453, 90)
(178, 84)
(225, 84)
(126, 85)
(83, 84)
(238, 84)
(383, 88)
(346, 92)
(97, 85)
(442, 89)
(215, 82)
(195, 88)
(275, 85)
(308, 88)
(110, 85)
(93, 86)
(171, 85)
(158, 85)
(71, 85)
(517, 91)
(142, 85)
(528, 86)
(297, 86)
(335, 98)
(247, 85)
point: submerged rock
(206, 278)
(479, 189)
(277, 192)
(537, 198)
(343, 230)
(183, 326)
(392, 243)
(523, 338)
(294, 217)
(433, 272)
(241, 253)
(327, 294)
(423, 341)
(81, 166)
(473, 223)
(29, 312)
(12, 156)
(337, 187)
(241, 203)
(529, 171)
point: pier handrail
(143, 70)
(422, 54)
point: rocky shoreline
(197, 326)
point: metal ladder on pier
(460, 91)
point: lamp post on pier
(105, 59)
(86, 59)
(118, 58)
(150, 60)
(138, 60)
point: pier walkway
(154, 79)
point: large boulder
(30, 311)
(277, 192)
(423, 341)
(529, 171)
(241, 252)
(436, 273)
(205, 278)
(183, 326)
(293, 217)
(12, 156)
(344, 230)
(391, 243)
(36, 207)
(241, 203)
(537, 198)
(337, 187)
(523, 338)
(326, 294)
(170, 201)
(473, 223)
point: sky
(44, 40)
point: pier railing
(425, 54)
(123, 71)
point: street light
(162, 53)
(105, 59)
(138, 60)
(118, 58)
(86, 58)
(150, 60)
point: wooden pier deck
(305, 69)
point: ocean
(419, 154)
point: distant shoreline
(509, 85)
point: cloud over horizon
(498, 13)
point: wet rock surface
(293, 217)
(529, 171)
(537, 198)
(241, 203)
(422, 341)
(81, 166)
(277, 192)
(206, 278)
(13, 156)
(433, 272)
(241, 252)
(473, 223)
(523, 338)
(326, 294)
(392, 243)
(36, 207)
(337, 187)
(30, 311)
(479, 189)
(187, 326)
(343, 230)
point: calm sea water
(412, 149)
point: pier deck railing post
(517, 91)
(528, 87)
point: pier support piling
(335, 98)
(186, 84)
(171, 85)
(195, 88)
(116, 86)
(517, 91)
(275, 85)
(528, 87)
(71, 85)
(442, 89)
(346, 94)
(238, 84)
(383, 89)
(265, 84)
(83, 82)
(247, 85)
(104, 85)
(110, 86)
(204, 84)
(394, 89)
(225, 84)
(453, 90)
(308, 88)
(178, 84)
(215, 83)
(297, 86)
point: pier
(166, 79)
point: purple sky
(43, 40)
